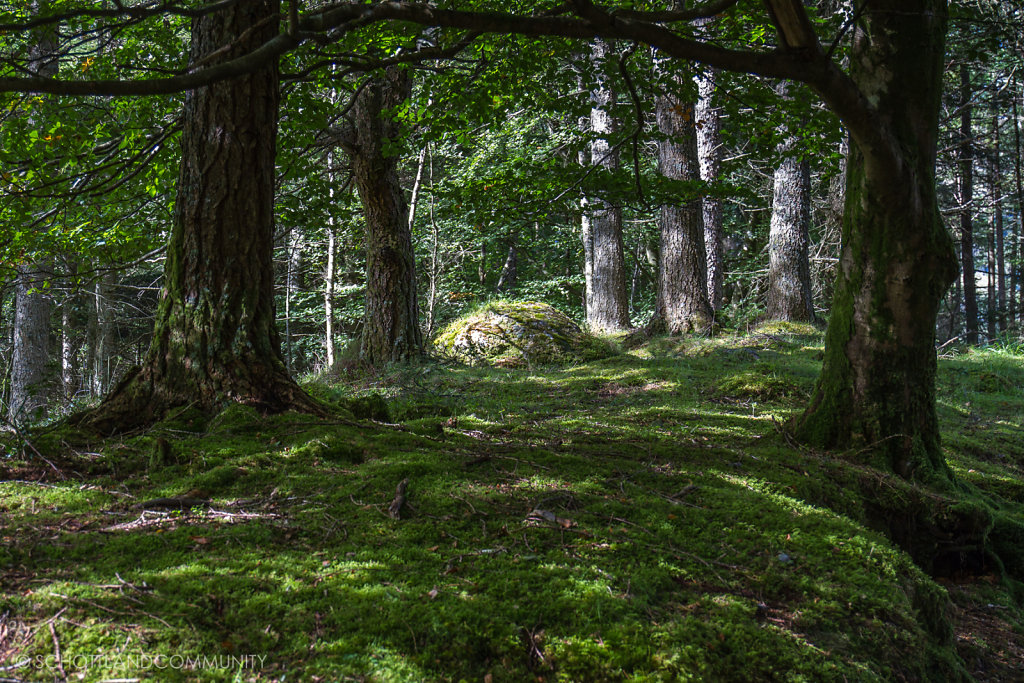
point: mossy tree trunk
(391, 328)
(897, 258)
(214, 341)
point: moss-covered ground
(641, 517)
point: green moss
(508, 333)
(369, 407)
(332, 448)
(605, 520)
(218, 479)
(762, 385)
(236, 417)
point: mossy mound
(761, 385)
(507, 333)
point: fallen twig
(56, 652)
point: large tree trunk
(709, 151)
(967, 207)
(789, 270)
(214, 340)
(31, 352)
(391, 328)
(683, 302)
(607, 303)
(897, 258)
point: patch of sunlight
(769, 491)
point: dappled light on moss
(622, 519)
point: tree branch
(703, 12)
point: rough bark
(607, 303)
(682, 277)
(391, 329)
(30, 354)
(789, 270)
(214, 340)
(966, 207)
(897, 259)
(709, 151)
(31, 349)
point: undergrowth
(642, 517)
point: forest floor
(642, 517)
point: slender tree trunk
(607, 303)
(481, 265)
(68, 339)
(967, 207)
(414, 199)
(789, 270)
(391, 328)
(997, 224)
(683, 301)
(1018, 253)
(509, 271)
(67, 349)
(103, 337)
(435, 245)
(295, 243)
(709, 151)
(214, 340)
(330, 270)
(990, 286)
(897, 260)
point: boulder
(507, 333)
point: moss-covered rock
(508, 333)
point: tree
(31, 347)
(877, 380)
(878, 377)
(789, 271)
(709, 152)
(999, 246)
(607, 303)
(1016, 250)
(967, 207)
(683, 304)
(391, 328)
(214, 339)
